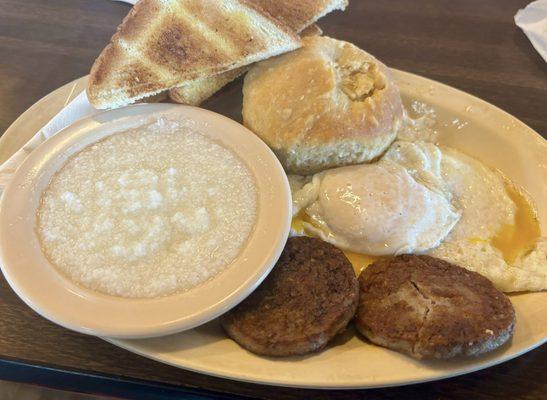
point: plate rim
(321, 385)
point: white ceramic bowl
(55, 297)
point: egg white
(481, 193)
(376, 209)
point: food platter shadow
(228, 101)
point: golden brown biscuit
(325, 105)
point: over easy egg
(498, 234)
(421, 198)
(376, 209)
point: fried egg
(375, 209)
(498, 234)
(429, 199)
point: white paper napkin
(533, 21)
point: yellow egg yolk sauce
(517, 238)
(357, 260)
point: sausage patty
(310, 295)
(429, 308)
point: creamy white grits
(147, 212)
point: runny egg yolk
(357, 260)
(517, 238)
(360, 261)
(297, 223)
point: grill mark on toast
(178, 49)
(236, 27)
(196, 16)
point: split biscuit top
(163, 43)
(326, 105)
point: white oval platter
(464, 122)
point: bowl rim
(54, 296)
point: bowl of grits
(144, 221)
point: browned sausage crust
(429, 308)
(310, 296)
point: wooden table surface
(471, 45)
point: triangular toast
(162, 43)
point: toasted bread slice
(298, 15)
(162, 43)
(199, 90)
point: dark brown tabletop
(471, 45)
